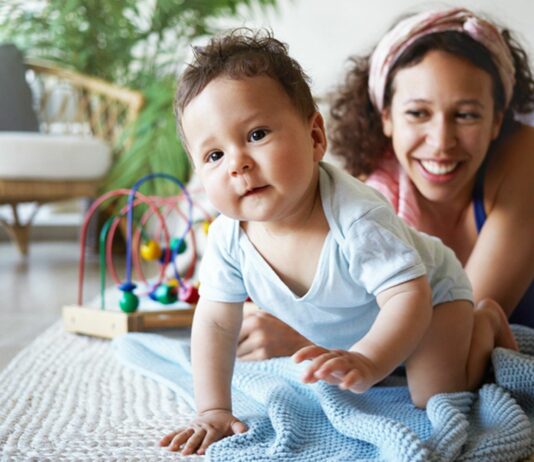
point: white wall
(322, 33)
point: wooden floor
(33, 290)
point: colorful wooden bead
(129, 302)
(151, 250)
(165, 294)
(178, 245)
(189, 294)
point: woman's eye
(468, 115)
(215, 156)
(257, 135)
(416, 114)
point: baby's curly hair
(356, 126)
(242, 53)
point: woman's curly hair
(356, 126)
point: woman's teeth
(438, 168)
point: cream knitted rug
(65, 397)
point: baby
(313, 245)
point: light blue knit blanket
(289, 421)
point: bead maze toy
(139, 306)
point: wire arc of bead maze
(129, 216)
(109, 242)
(102, 259)
(83, 234)
(106, 241)
(121, 192)
(168, 205)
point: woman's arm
(501, 265)
(264, 336)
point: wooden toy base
(109, 324)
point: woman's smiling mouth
(438, 172)
(438, 168)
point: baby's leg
(454, 354)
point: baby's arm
(214, 339)
(405, 314)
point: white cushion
(25, 155)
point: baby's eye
(257, 135)
(416, 113)
(214, 156)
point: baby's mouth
(254, 191)
(438, 168)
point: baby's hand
(205, 429)
(347, 369)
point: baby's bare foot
(504, 336)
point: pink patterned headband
(397, 40)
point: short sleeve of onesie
(380, 251)
(220, 273)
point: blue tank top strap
(478, 196)
(524, 312)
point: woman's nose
(239, 162)
(441, 134)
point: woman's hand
(205, 429)
(264, 336)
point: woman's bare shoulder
(511, 170)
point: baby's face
(255, 154)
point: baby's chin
(256, 215)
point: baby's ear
(387, 124)
(318, 134)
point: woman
(429, 119)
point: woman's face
(441, 122)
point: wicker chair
(86, 107)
